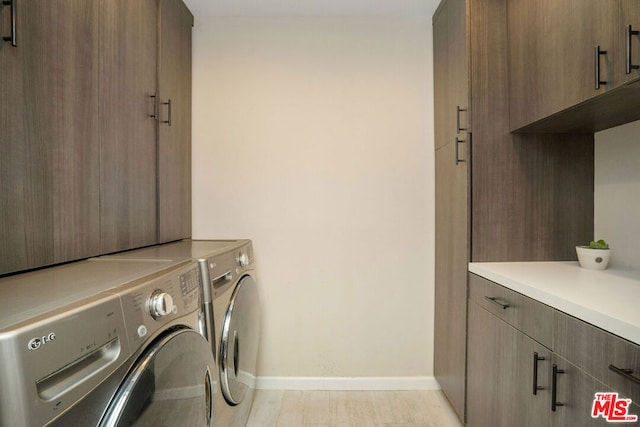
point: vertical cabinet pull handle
(554, 387)
(155, 108)
(599, 81)
(458, 159)
(536, 359)
(458, 127)
(12, 37)
(168, 104)
(625, 372)
(630, 33)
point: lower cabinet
(514, 380)
(503, 369)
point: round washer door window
(170, 385)
(239, 342)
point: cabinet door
(451, 93)
(552, 55)
(49, 135)
(500, 371)
(13, 152)
(441, 69)
(451, 260)
(575, 391)
(174, 142)
(630, 43)
(128, 48)
(451, 89)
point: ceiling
(207, 8)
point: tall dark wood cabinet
(49, 134)
(452, 249)
(510, 197)
(94, 157)
(128, 46)
(174, 140)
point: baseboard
(347, 383)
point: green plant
(600, 244)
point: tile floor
(351, 408)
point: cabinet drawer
(593, 350)
(531, 317)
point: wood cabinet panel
(441, 69)
(128, 41)
(576, 391)
(50, 104)
(174, 141)
(13, 245)
(450, 276)
(529, 316)
(527, 187)
(593, 350)
(451, 180)
(500, 374)
(552, 65)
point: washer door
(169, 385)
(239, 342)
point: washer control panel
(160, 304)
(150, 306)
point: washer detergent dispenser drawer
(239, 342)
(49, 364)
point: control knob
(160, 304)
(243, 259)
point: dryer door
(239, 342)
(169, 385)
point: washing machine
(105, 343)
(232, 308)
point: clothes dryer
(232, 308)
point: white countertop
(608, 299)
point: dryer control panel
(224, 269)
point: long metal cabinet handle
(554, 388)
(494, 300)
(168, 104)
(458, 142)
(11, 38)
(536, 359)
(599, 81)
(630, 33)
(625, 372)
(458, 127)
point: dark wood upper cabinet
(128, 57)
(174, 141)
(49, 135)
(558, 80)
(85, 167)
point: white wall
(617, 192)
(314, 138)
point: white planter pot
(593, 259)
